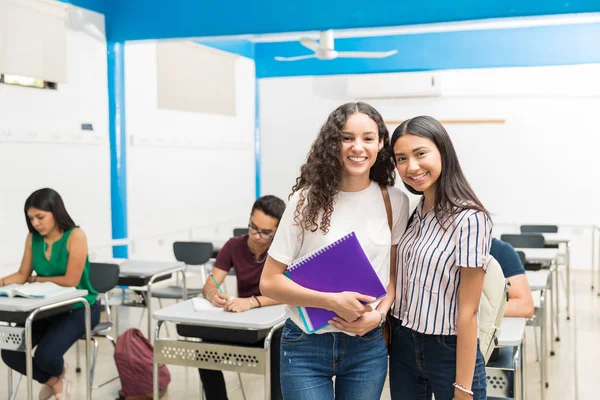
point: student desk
(552, 241)
(145, 273)
(257, 323)
(22, 311)
(549, 257)
(505, 375)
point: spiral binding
(303, 260)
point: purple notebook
(337, 267)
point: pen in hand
(216, 283)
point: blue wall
(244, 48)
(536, 46)
(100, 6)
(159, 19)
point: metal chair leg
(537, 343)
(78, 364)
(114, 343)
(94, 358)
(242, 385)
(15, 389)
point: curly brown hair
(321, 175)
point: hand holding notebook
(339, 267)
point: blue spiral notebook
(338, 267)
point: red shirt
(236, 253)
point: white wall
(540, 166)
(190, 175)
(58, 154)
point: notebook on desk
(338, 267)
(35, 290)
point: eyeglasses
(253, 230)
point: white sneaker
(46, 391)
(66, 391)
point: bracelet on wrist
(250, 300)
(258, 301)
(382, 318)
(462, 388)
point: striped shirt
(429, 262)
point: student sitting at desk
(246, 254)
(56, 249)
(520, 302)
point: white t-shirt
(362, 212)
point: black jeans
(53, 337)
(213, 381)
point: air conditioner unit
(395, 85)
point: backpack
(133, 357)
(491, 307)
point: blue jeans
(309, 362)
(53, 337)
(424, 364)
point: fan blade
(295, 58)
(309, 43)
(366, 54)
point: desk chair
(239, 231)
(190, 253)
(539, 229)
(526, 241)
(536, 241)
(104, 277)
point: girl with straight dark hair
(338, 191)
(56, 250)
(442, 258)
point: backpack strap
(388, 205)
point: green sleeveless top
(57, 266)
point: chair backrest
(103, 276)
(539, 229)
(239, 231)
(524, 241)
(193, 253)
(521, 257)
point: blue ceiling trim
(537, 46)
(100, 6)
(160, 19)
(244, 48)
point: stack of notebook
(338, 267)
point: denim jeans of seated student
(310, 361)
(53, 336)
(424, 364)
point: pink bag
(133, 357)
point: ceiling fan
(323, 50)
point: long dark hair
(453, 192)
(321, 175)
(49, 200)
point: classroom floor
(577, 352)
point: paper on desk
(201, 304)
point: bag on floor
(133, 357)
(491, 307)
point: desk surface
(21, 304)
(538, 280)
(511, 333)
(255, 319)
(142, 269)
(539, 255)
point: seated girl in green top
(56, 249)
